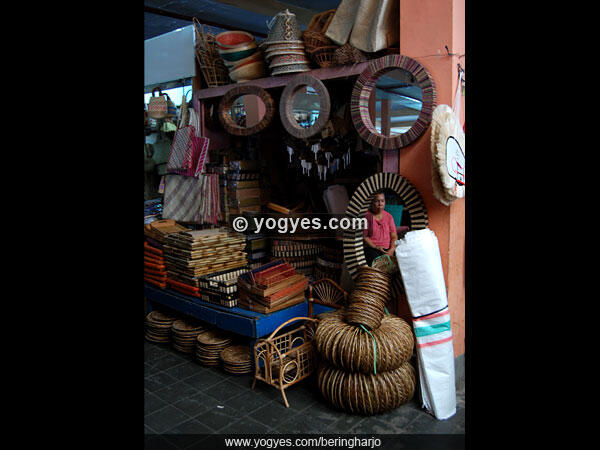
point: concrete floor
(183, 397)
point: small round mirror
(396, 102)
(305, 106)
(247, 110)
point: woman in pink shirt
(380, 235)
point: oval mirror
(304, 106)
(245, 110)
(392, 102)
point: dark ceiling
(163, 16)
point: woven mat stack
(158, 327)
(365, 366)
(209, 346)
(192, 254)
(300, 254)
(237, 359)
(271, 287)
(184, 334)
(243, 192)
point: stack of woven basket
(283, 47)
(319, 47)
(365, 351)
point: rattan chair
(326, 292)
(283, 360)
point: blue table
(236, 320)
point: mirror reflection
(305, 106)
(387, 220)
(247, 110)
(395, 103)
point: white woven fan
(447, 152)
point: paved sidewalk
(184, 397)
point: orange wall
(426, 27)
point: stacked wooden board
(271, 287)
(192, 254)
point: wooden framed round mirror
(304, 106)
(392, 102)
(246, 110)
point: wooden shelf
(327, 73)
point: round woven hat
(284, 28)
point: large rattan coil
(368, 394)
(366, 303)
(351, 348)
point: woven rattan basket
(323, 56)
(211, 64)
(368, 394)
(352, 349)
(315, 39)
(348, 54)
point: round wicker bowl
(257, 56)
(232, 39)
(351, 348)
(238, 54)
(248, 71)
(359, 393)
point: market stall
(301, 124)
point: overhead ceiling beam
(162, 12)
(271, 8)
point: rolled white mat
(420, 265)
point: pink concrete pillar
(426, 27)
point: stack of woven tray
(192, 254)
(154, 265)
(271, 287)
(237, 359)
(209, 346)
(158, 327)
(329, 264)
(184, 334)
(243, 191)
(300, 254)
(221, 287)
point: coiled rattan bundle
(367, 301)
(361, 393)
(351, 348)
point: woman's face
(378, 203)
